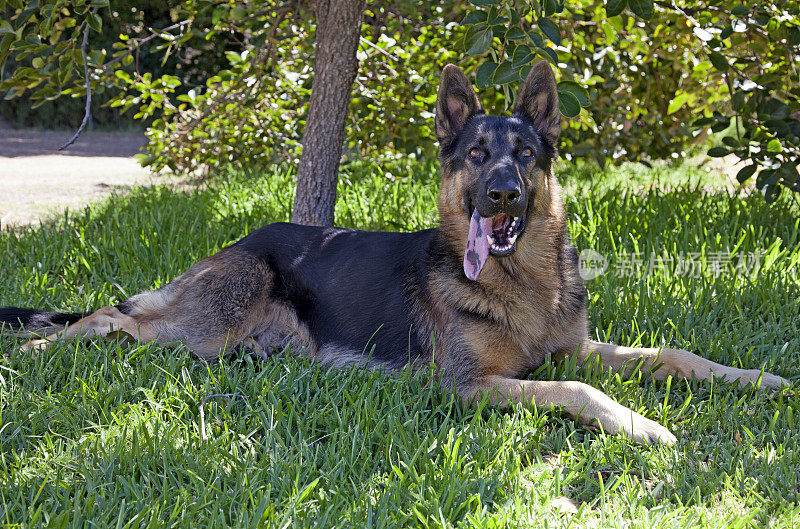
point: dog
(488, 296)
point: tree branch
(88, 112)
(138, 43)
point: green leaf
(677, 103)
(145, 159)
(523, 55)
(5, 47)
(480, 42)
(548, 53)
(643, 8)
(719, 62)
(550, 29)
(702, 122)
(615, 7)
(485, 74)
(766, 177)
(746, 172)
(484, 3)
(774, 145)
(515, 33)
(536, 38)
(238, 13)
(788, 172)
(475, 17)
(740, 11)
(718, 152)
(778, 127)
(568, 104)
(731, 142)
(576, 89)
(505, 73)
(94, 21)
(720, 126)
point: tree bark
(335, 67)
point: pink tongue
(477, 245)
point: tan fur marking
(281, 326)
(497, 353)
(580, 401)
(676, 362)
(105, 321)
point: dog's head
(494, 167)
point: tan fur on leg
(580, 401)
(676, 362)
(105, 321)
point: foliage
(104, 433)
(249, 109)
(646, 70)
(648, 80)
(127, 17)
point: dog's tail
(33, 321)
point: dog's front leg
(580, 401)
(676, 362)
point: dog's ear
(538, 101)
(455, 104)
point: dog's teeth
(512, 239)
(490, 239)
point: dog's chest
(509, 339)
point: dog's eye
(475, 153)
(526, 152)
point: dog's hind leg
(101, 323)
(580, 401)
(212, 308)
(676, 362)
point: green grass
(98, 434)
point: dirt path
(37, 181)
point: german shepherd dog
(487, 297)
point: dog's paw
(33, 347)
(644, 431)
(751, 376)
(635, 426)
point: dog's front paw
(768, 380)
(645, 431)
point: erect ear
(455, 104)
(538, 101)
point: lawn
(101, 434)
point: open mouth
(503, 237)
(495, 235)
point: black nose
(507, 192)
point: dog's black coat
(349, 287)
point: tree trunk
(335, 68)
